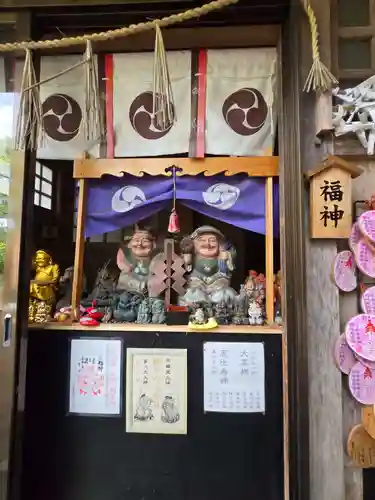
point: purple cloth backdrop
(114, 203)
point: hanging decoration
(356, 113)
(163, 108)
(174, 224)
(93, 122)
(319, 78)
(40, 123)
(29, 120)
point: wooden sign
(331, 198)
(361, 447)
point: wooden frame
(359, 33)
(89, 168)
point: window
(43, 187)
(353, 39)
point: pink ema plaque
(344, 271)
(362, 384)
(368, 300)
(343, 355)
(365, 258)
(366, 224)
(360, 335)
(354, 237)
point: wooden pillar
(79, 249)
(326, 462)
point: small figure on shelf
(239, 310)
(201, 318)
(278, 311)
(43, 288)
(222, 315)
(255, 291)
(104, 287)
(159, 315)
(144, 312)
(65, 288)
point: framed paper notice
(234, 377)
(95, 376)
(156, 391)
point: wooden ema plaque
(361, 447)
(368, 420)
(331, 198)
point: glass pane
(45, 202)
(37, 168)
(354, 15)
(37, 199)
(7, 114)
(47, 174)
(46, 188)
(354, 54)
(37, 184)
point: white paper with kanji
(156, 391)
(95, 376)
(234, 377)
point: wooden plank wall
(329, 477)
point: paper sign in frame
(118, 414)
(153, 426)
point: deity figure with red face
(209, 261)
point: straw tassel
(319, 77)
(163, 109)
(92, 122)
(174, 223)
(29, 119)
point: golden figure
(43, 287)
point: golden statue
(43, 287)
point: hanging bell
(174, 224)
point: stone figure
(43, 287)
(104, 287)
(209, 263)
(144, 312)
(65, 288)
(159, 315)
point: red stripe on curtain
(109, 105)
(201, 114)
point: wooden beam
(79, 249)
(253, 166)
(269, 252)
(186, 38)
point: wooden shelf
(130, 327)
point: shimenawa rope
(120, 32)
(319, 77)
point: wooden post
(80, 248)
(269, 251)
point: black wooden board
(223, 456)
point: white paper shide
(234, 377)
(95, 376)
(156, 391)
